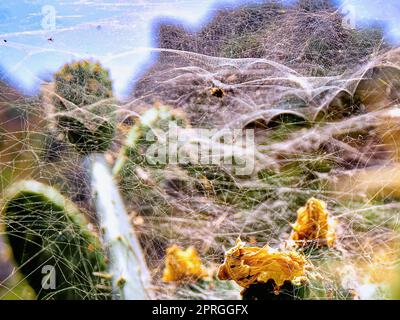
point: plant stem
(131, 277)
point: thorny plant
(324, 128)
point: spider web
(323, 103)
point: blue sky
(119, 33)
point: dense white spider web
(323, 102)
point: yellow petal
(182, 265)
(249, 265)
(314, 224)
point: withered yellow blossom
(250, 265)
(183, 265)
(314, 224)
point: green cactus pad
(136, 144)
(45, 229)
(81, 83)
(89, 129)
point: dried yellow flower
(313, 224)
(249, 265)
(183, 265)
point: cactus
(85, 114)
(130, 275)
(45, 229)
(135, 144)
(132, 168)
(80, 84)
(90, 129)
(84, 105)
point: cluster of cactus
(132, 156)
(44, 229)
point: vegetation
(318, 212)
